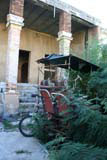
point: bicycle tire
(23, 131)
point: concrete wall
(94, 33)
(38, 44)
(78, 43)
(3, 46)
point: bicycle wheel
(26, 126)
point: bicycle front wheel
(26, 126)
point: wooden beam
(28, 9)
(40, 21)
(81, 21)
(69, 9)
(35, 15)
(53, 28)
(48, 24)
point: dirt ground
(13, 146)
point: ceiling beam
(69, 9)
(34, 17)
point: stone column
(64, 34)
(64, 38)
(14, 26)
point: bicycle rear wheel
(26, 126)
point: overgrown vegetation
(8, 125)
(96, 52)
(82, 134)
(93, 52)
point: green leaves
(78, 151)
(104, 103)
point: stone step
(26, 107)
(29, 95)
(27, 92)
(26, 86)
(27, 100)
(30, 107)
(27, 104)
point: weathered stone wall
(16, 7)
(94, 33)
(64, 38)
(65, 22)
(78, 43)
(64, 34)
(3, 47)
(37, 43)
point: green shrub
(82, 134)
(78, 151)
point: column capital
(13, 19)
(63, 35)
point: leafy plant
(44, 130)
(8, 125)
(85, 133)
(98, 83)
(82, 132)
(78, 81)
(93, 51)
(72, 150)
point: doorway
(23, 67)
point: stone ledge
(13, 19)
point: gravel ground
(13, 146)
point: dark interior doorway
(23, 68)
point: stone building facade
(29, 29)
(31, 26)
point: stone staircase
(27, 98)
